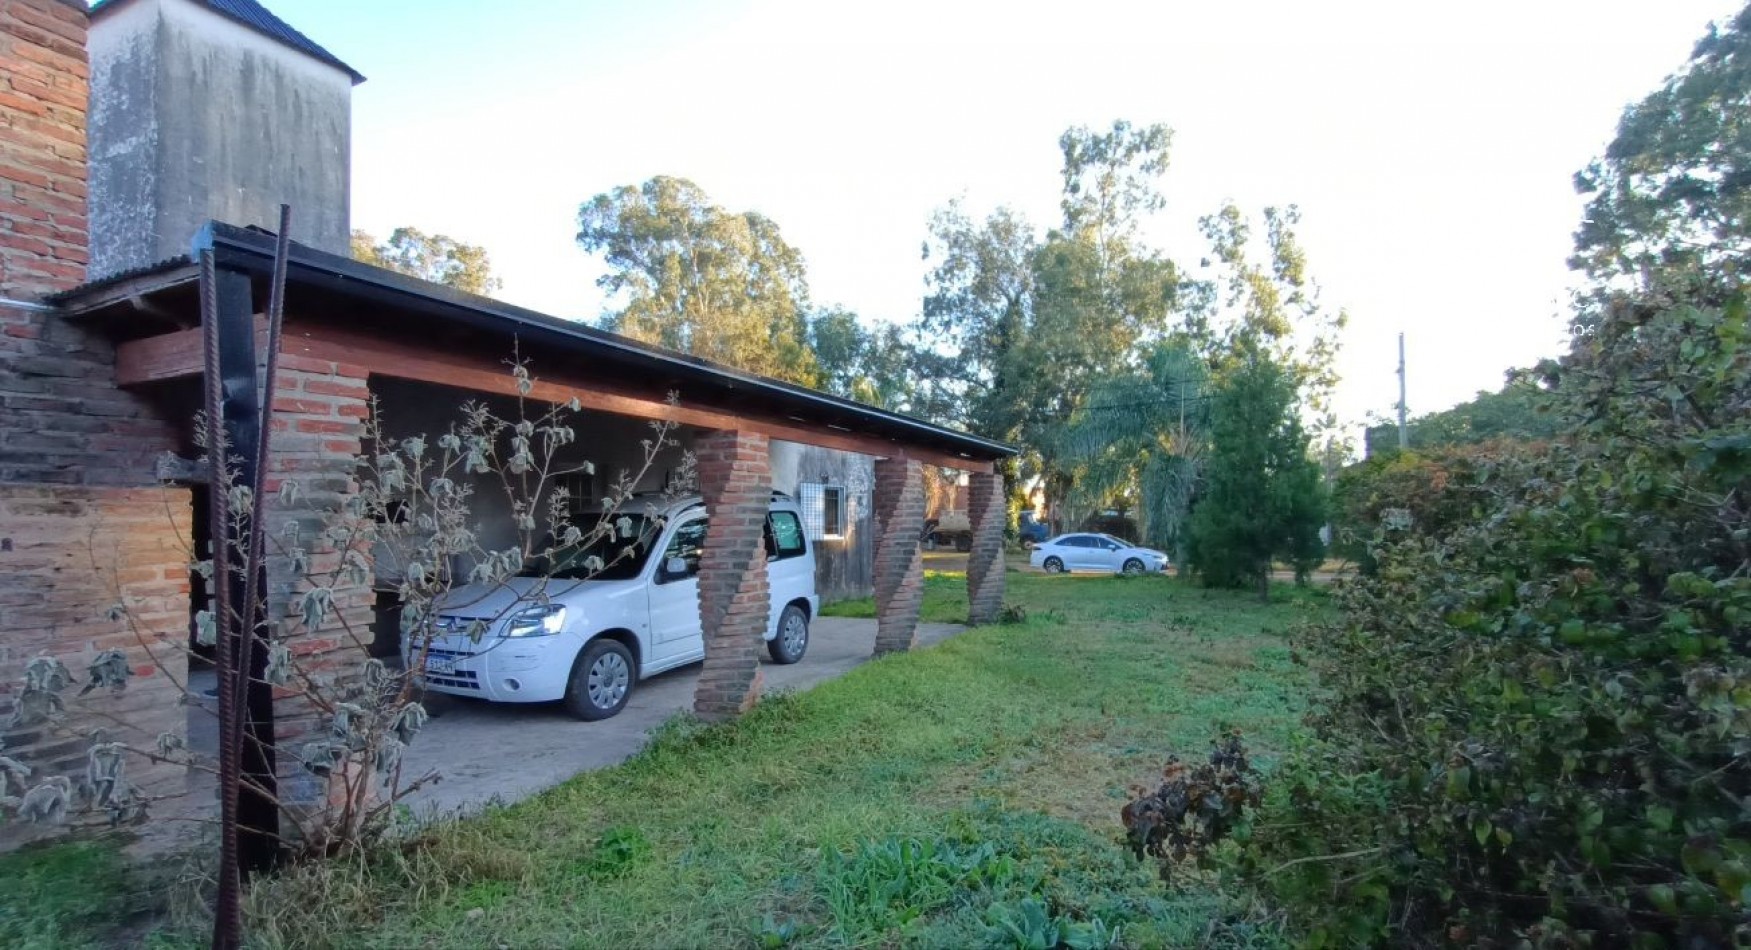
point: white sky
(1430, 147)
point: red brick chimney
(44, 93)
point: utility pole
(1404, 438)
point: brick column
(988, 512)
(734, 603)
(899, 565)
(319, 410)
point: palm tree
(1142, 434)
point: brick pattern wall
(899, 564)
(319, 412)
(734, 603)
(62, 419)
(988, 512)
(67, 555)
(44, 80)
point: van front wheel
(601, 680)
(793, 636)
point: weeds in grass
(1029, 924)
(67, 895)
(618, 850)
(887, 885)
(1003, 780)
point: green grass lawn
(923, 799)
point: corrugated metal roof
(262, 20)
(107, 280)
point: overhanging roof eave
(253, 251)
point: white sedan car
(1095, 552)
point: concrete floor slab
(490, 752)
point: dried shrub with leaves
(404, 518)
(1194, 807)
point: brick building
(100, 368)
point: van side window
(688, 541)
(784, 535)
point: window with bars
(580, 489)
(823, 511)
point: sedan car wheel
(1133, 567)
(601, 681)
(1054, 566)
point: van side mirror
(675, 567)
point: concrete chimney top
(211, 109)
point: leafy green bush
(1536, 726)
(1426, 492)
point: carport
(355, 332)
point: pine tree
(1262, 498)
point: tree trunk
(1265, 585)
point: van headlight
(541, 621)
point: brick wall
(62, 419)
(67, 554)
(44, 81)
(899, 566)
(989, 511)
(735, 477)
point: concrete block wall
(899, 564)
(735, 479)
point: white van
(552, 636)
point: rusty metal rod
(257, 611)
(228, 906)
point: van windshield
(622, 553)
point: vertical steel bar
(228, 908)
(258, 811)
(258, 815)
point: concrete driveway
(489, 751)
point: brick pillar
(319, 408)
(734, 603)
(988, 510)
(43, 83)
(899, 565)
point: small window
(688, 542)
(784, 536)
(832, 511)
(823, 511)
(580, 497)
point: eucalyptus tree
(1673, 191)
(697, 278)
(1262, 301)
(438, 258)
(977, 317)
(872, 365)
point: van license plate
(440, 666)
